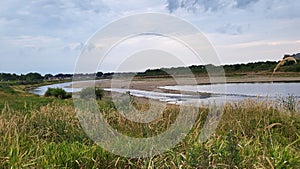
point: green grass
(38, 132)
(5, 87)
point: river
(218, 93)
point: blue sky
(47, 36)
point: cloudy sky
(47, 36)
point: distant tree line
(255, 67)
(267, 66)
(251, 67)
(98, 75)
(32, 77)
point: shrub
(57, 92)
(91, 92)
(288, 103)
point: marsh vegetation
(43, 132)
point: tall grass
(283, 62)
(251, 134)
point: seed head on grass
(283, 62)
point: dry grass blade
(283, 61)
(270, 163)
(272, 125)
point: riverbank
(153, 83)
(236, 88)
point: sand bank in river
(152, 84)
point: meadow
(41, 132)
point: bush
(57, 92)
(91, 92)
(288, 103)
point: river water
(218, 93)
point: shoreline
(153, 84)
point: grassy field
(38, 132)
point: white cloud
(208, 6)
(33, 41)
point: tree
(47, 76)
(8, 77)
(33, 77)
(99, 74)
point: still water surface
(220, 93)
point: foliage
(47, 76)
(289, 102)
(264, 67)
(92, 92)
(58, 93)
(229, 69)
(251, 67)
(99, 74)
(44, 132)
(8, 77)
(31, 78)
(291, 67)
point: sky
(47, 36)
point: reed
(251, 134)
